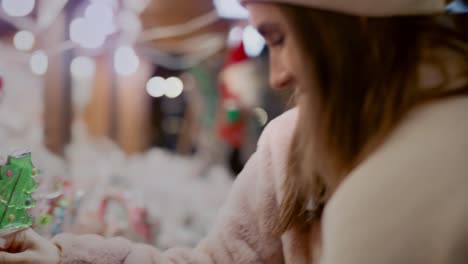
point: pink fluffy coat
(243, 230)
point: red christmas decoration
(231, 123)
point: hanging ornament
(231, 124)
(16, 186)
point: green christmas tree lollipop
(16, 186)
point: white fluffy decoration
(184, 203)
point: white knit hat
(368, 7)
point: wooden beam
(57, 92)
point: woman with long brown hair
(371, 167)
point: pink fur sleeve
(242, 233)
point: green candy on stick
(17, 183)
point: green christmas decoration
(17, 183)
(233, 115)
(44, 220)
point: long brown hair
(366, 77)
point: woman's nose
(280, 77)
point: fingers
(20, 241)
(15, 242)
(12, 258)
(27, 247)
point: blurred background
(139, 113)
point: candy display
(120, 215)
